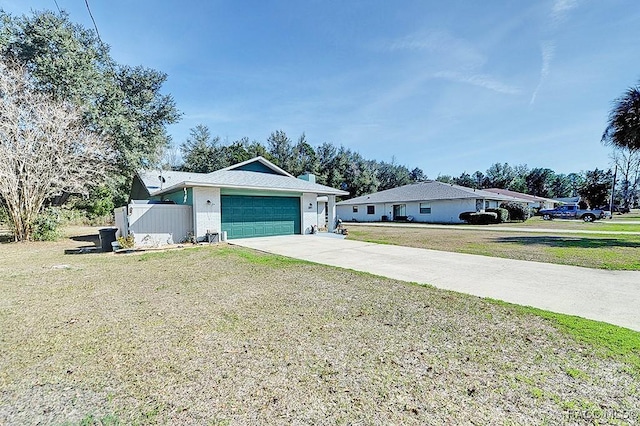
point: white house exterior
(250, 199)
(429, 201)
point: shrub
(503, 214)
(97, 205)
(517, 211)
(483, 218)
(47, 224)
(128, 242)
(479, 218)
(4, 215)
(465, 216)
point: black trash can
(107, 236)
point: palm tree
(623, 129)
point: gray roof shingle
(230, 179)
(426, 191)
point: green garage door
(248, 216)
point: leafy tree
(201, 152)
(623, 128)
(540, 181)
(280, 148)
(327, 174)
(118, 102)
(417, 175)
(561, 186)
(445, 179)
(304, 158)
(45, 150)
(499, 175)
(595, 188)
(575, 182)
(479, 180)
(466, 180)
(391, 175)
(236, 152)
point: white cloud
(446, 46)
(548, 52)
(480, 80)
(560, 9)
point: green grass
(224, 335)
(603, 251)
(612, 341)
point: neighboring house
(533, 201)
(429, 201)
(250, 199)
(569, 201)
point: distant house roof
(257, 173)
(430, 190)
(527, 197)
(568, 200)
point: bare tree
(628, 162)
(44, 150)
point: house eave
(188, 184)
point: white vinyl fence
(155, 224)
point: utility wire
(102, 45)
(56, 2)
(93, 20)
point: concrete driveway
(609, 296)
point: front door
(399, 211)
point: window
(371, 209)
(425, 208)
(355, 209)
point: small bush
(479, 218)
(503, 214)
(483, 218)
(4, 214)
(47, 224)
(465, 216)
(128, 242)
(517, 211)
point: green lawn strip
(602, 251)
(616, 342)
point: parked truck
(571, 212)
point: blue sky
(445, 86)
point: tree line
(340, 167)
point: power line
(56, 2)
(94, 21)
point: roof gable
(255, 174)
(258, 164)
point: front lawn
(624, 223)
(602, 251)
(224, 335)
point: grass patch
(225, 335)
(259, 258)
(613, 341)
(603, 251)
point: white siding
(309, 207)
(347, 214)
(442, 211)
(159, 224)
(121, 221)
(322, 214)
(206, 211)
